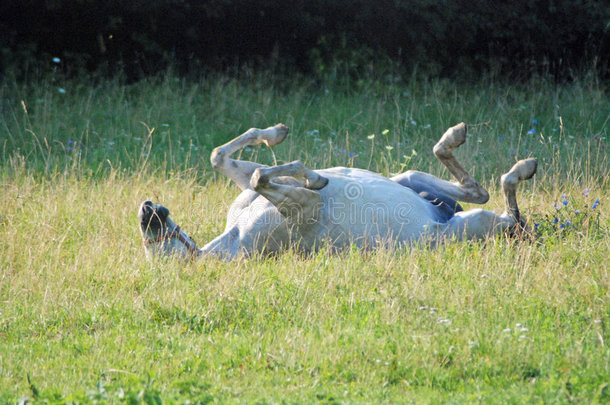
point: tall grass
(173, 123)
(85, 318)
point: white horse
(292, 206)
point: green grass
(85, 318)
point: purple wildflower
(531, 131)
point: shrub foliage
(443, 37)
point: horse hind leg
(522, 170)
(240, 171)
(470, 189)
(466, 188)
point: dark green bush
(449, 38)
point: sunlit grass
(86, 317)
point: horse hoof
(278, 135)
(451, 139)
(525, 168)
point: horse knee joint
(258, 179)
(217, 158)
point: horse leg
(300, 205)
(238, 170)
(522, 170)
(479, 223)
(466, 189)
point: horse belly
(367, 209)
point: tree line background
(447, 38)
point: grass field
(85, 318)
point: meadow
(85, 318)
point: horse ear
(146, 211)
(162, 212)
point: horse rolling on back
(290, 205)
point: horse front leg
(299, 204)
(240, 171)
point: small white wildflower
(507, 330)
(423, 308)
(433, 310)
(372, 136)
(385, 132)
(413, 123)
(473, 343)
(483, 275)
(479, 140)
(61, 90)
(389, 148)
(524, 330)
(518, 325)
(597, 321)
(111, 143)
